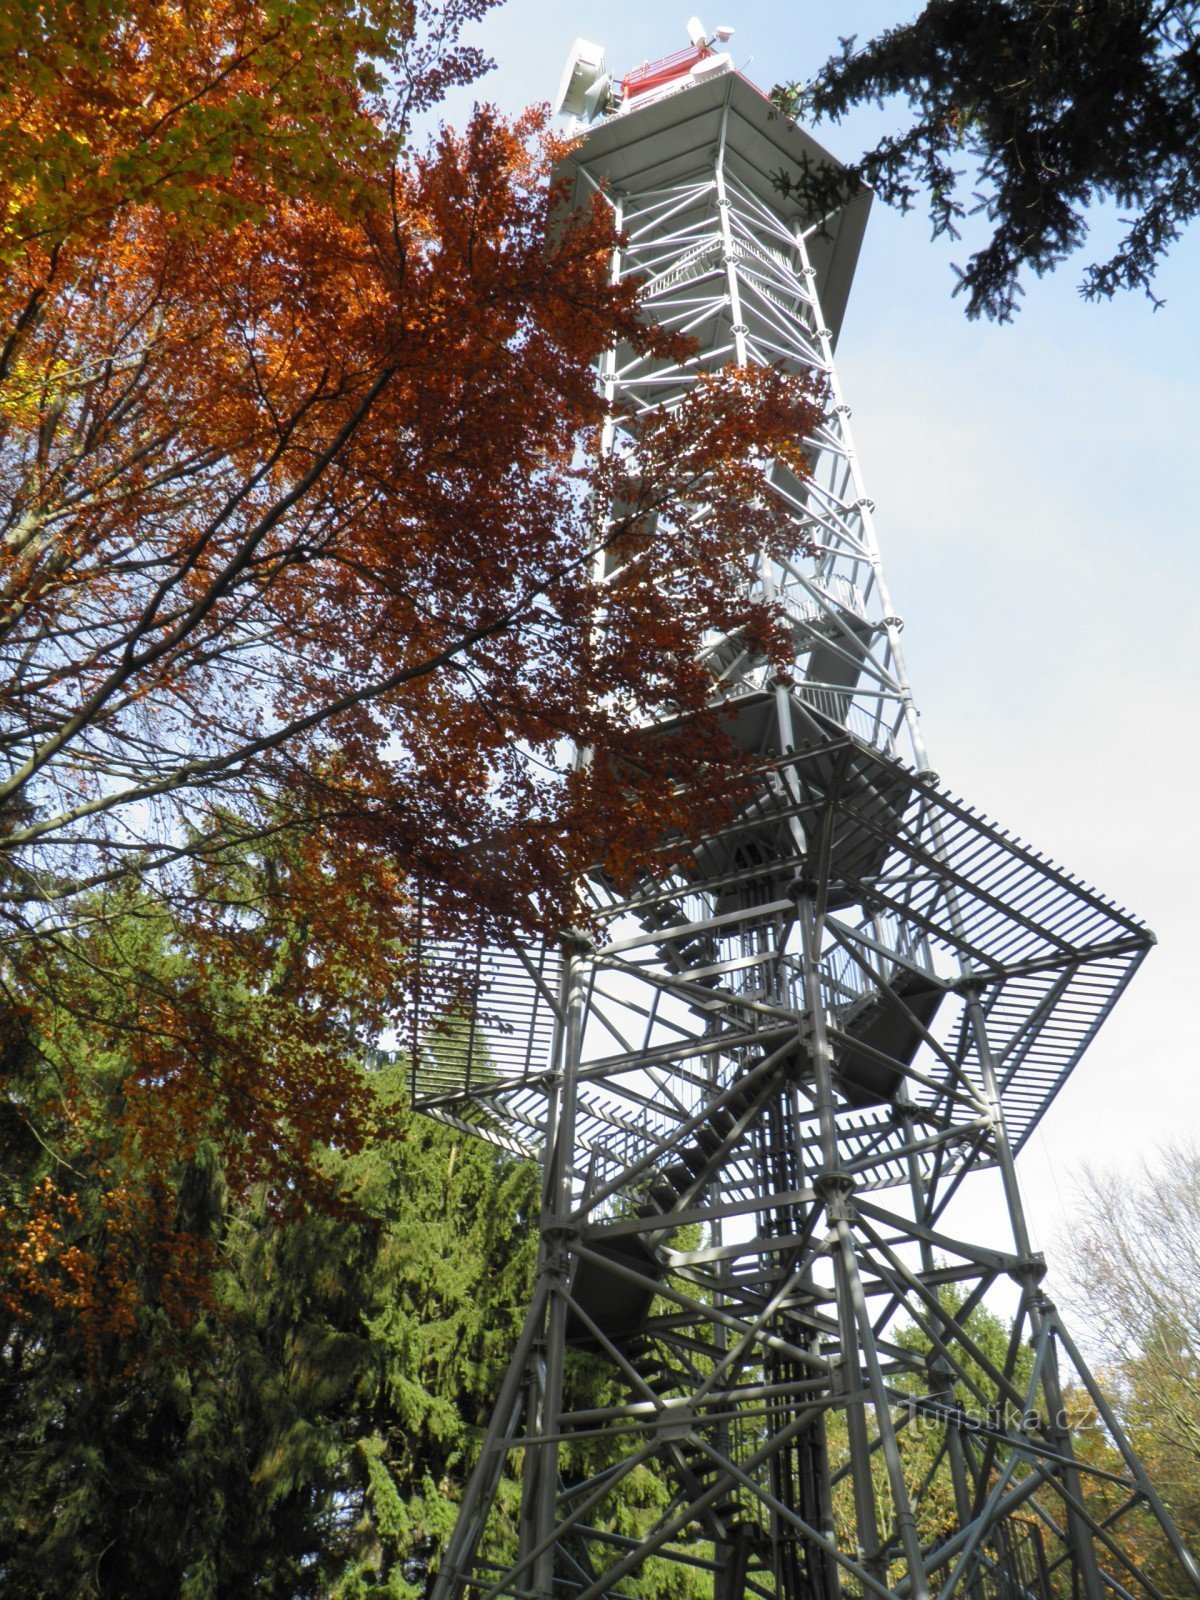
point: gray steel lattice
(754, 1095)
(1049, 955)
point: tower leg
(1029, 1273)
(504, 1427)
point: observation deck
(664, 141)
(924, 880)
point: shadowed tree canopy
(306, 1387)
(1030, 113)
(208, 1394)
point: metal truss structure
(755, 1362)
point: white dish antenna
(596, 99)
(724, 33)
(583, 79)
(697, 32)
(711, 67)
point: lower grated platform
(694, 978)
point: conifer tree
(212, 1384)
(294, 1420)
(1028, 113)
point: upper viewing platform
(662, 122)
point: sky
(1037, 491)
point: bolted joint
(836, 1191)
(561, 1229)
(676, 1422)
(995, 1115)
(558, 1239)
(1029, 1274)
(802, 885)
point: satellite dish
(711, 67)
(585, 66)
(696, 32)
(596, 99)
(724, 33)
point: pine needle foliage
(273, 1397)
(1028, 113)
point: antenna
(724, 33)
(697, 32)
(581, 77)
(596, 99)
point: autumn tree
(1029, 113)
(301, 514)
(289, 471)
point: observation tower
(755, 1362)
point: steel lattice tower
(754, 1099)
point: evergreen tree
(208, 1391)
(1030, 112)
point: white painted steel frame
(721, 266)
